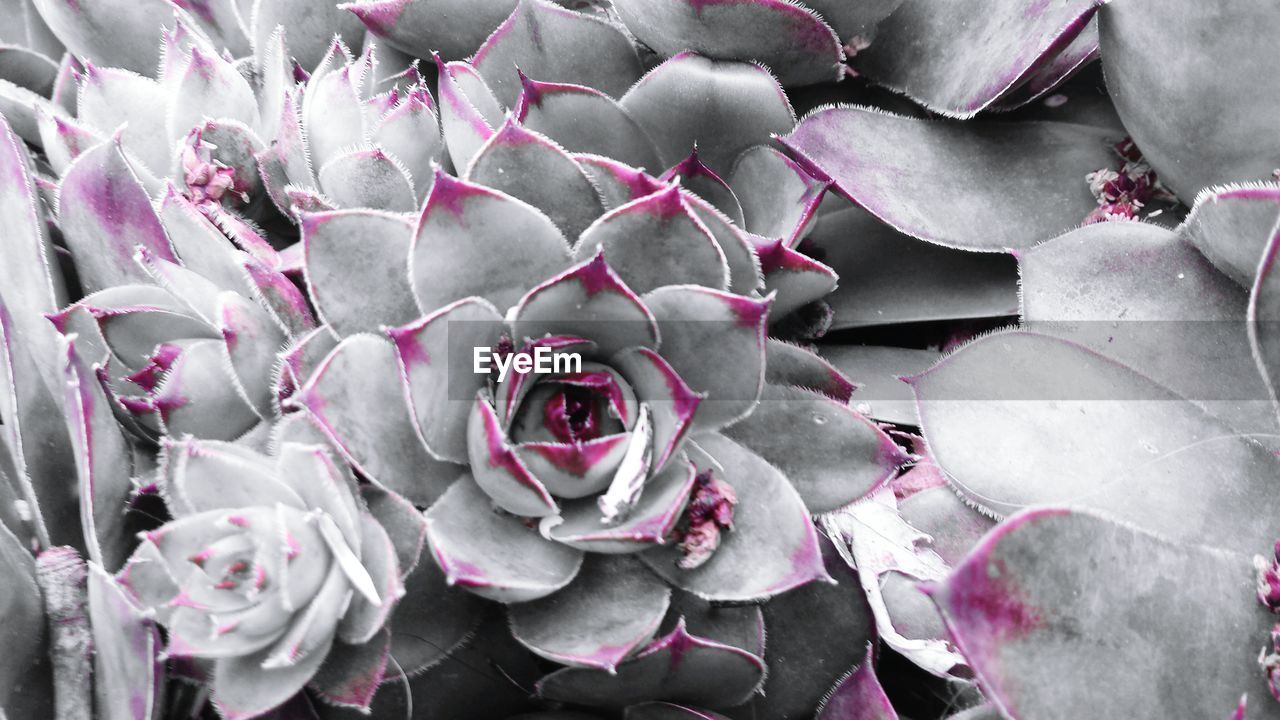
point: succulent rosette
(579, 497)
(276, 570)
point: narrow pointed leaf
(128, 671)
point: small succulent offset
(253, 253)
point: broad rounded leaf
(1232, 226)
(585, 120)
(472, 240)
(551, 43)
(1041, 420)
(529, 167)
(991, 185)
(722, 107)
(493, 555)
(1044, 645)
(355, 265)
(773, 546)
(697, 324)
(789, 38)
(119, 33)
(358, 398)
(613, 606)
(961, 57)
(830, 453)
(656, 241)
(368, 178)
(1195, 146)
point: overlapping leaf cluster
(251, 247)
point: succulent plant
(276, 571)
(255, 251)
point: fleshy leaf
(411, 132)
(454, 28)
(805, 657)
(668, 711)
(772, 546)
(882, 395)
(196, 396)
(23, 630)
(830, 453)
(104, 214)
(672, 403)
(243, 689)
(311, 28)
(1263, 317)
(854, 20)
(552, 43)
(351, 674)
(657, 241)
(613, 606)
(700, 180)
(31, 287)
(378, 557)
(432, 620)
(332, 108)
(359, 400)
(209, 87)
(1193, 149)
(793, 365)
(1163, 310)
(587, 300)
(468, 110)
(1046, 421)
(472, 240)
(778, 196)
(436, 356)
(355, 261)
(1232, 226)
(721, 107)
(585, 120)
(960, 59)
(789, 38)
(368, 178)
(118, 33)
(887, 277)
(858, 697)
(111, 97)
(497, 467)
(253, 345)
(128, 671)
(493, 555)
(103, 462)
(1021, 627)
(529, 167)
(674, 667)
(698, 323)
(649, 522)
(885, 162)
(794, 279)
